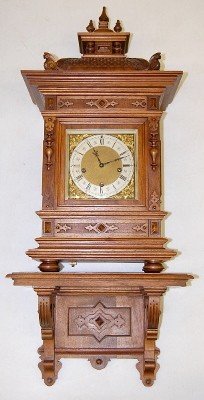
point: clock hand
(95, 153)
(116, 159)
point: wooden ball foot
(153, 266)
(49, 266)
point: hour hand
(95, 153)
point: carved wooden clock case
(101, 202)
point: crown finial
(103, 41)
(103, 20)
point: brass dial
(101, 166)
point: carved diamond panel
(101, 227)
(99, 321)
(102, 103)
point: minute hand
(116, 159)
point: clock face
(101, 166)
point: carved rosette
(154, 140)
(49, 140)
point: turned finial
(103, 20)
(90, 27)
(118, 27)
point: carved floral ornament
(49, 123)
(153, 123)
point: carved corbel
(49, 366)
(147, 365)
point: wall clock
(101, 202)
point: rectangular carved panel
(101, 103)
(101, 227)
(99, 321)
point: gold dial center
(102, 165)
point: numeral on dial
(79, 152)
(124, 178)
(79, 177)
(101, 188)
(89, 144)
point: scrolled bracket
(48, 365)
(45, 310)
(147, 365)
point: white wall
(28, 28)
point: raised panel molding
(99, 321)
